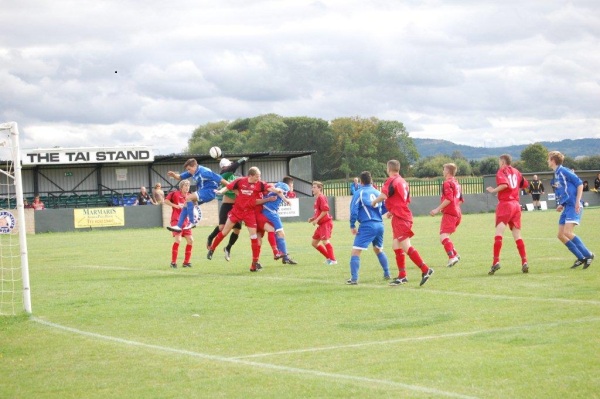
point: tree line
(349, 145)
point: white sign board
(286, 211)
(56, 156)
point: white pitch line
(423, 338)
(268, 366)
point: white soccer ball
(215, 152)
(586, 204)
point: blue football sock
(190, 210)
(581, 247)
(574, 250)
(182, 216)
(383, 261)
(354, 266)
(281, 246)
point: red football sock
(521, 248)
(188, 253)
(255, 249)
(329, 248)
(413, 254)
(400, 262)
(322, 250)
(272, 242)
(449, 247)
(497, 248)
(174, 251)
(217, 240)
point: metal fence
(418, 187)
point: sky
(76, 73)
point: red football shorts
(323, 231)
(248, 217)
(261, 220)
(402, 228)
(449, 223)
(183, 233)
(509, 213)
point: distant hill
(572, 148)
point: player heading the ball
(207, 183)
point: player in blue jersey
(272, 221)
(568, 189)
(207, 183)
(370, 230)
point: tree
(265, 133)
(216, 133)
(306, 134)
(395, 143)
(589, 163)
(534, 158)
(488, 166)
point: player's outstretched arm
(174, 175)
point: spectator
(354, 186)
(37, 204)
(597, 183)
(143, 198)
(586, 186)
(26, 203)
(158, 194)
(536, 189)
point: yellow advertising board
(99, 217)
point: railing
(418, 187)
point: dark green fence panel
(418, 187)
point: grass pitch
(111, 319)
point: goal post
(14, 264)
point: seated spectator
(143, 198)
(597, 183)
(37, 204)
(158, 194)
(26, 204)
(586, 186)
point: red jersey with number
(398, 197)
(247, 193)
(321, 204)
(452, 191)
(514, 181)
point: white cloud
(478, 73)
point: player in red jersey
(324, 222)
(176, 200)
(450, 208)
(248, 190)
(509, 182)
(396, 195)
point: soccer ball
(197, 214)
(586, 204)
(215, 152)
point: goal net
(14, 268)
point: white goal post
(14, 265)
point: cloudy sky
(79, 73)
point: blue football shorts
(569, 215)
(369, 233)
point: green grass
(112, 320)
